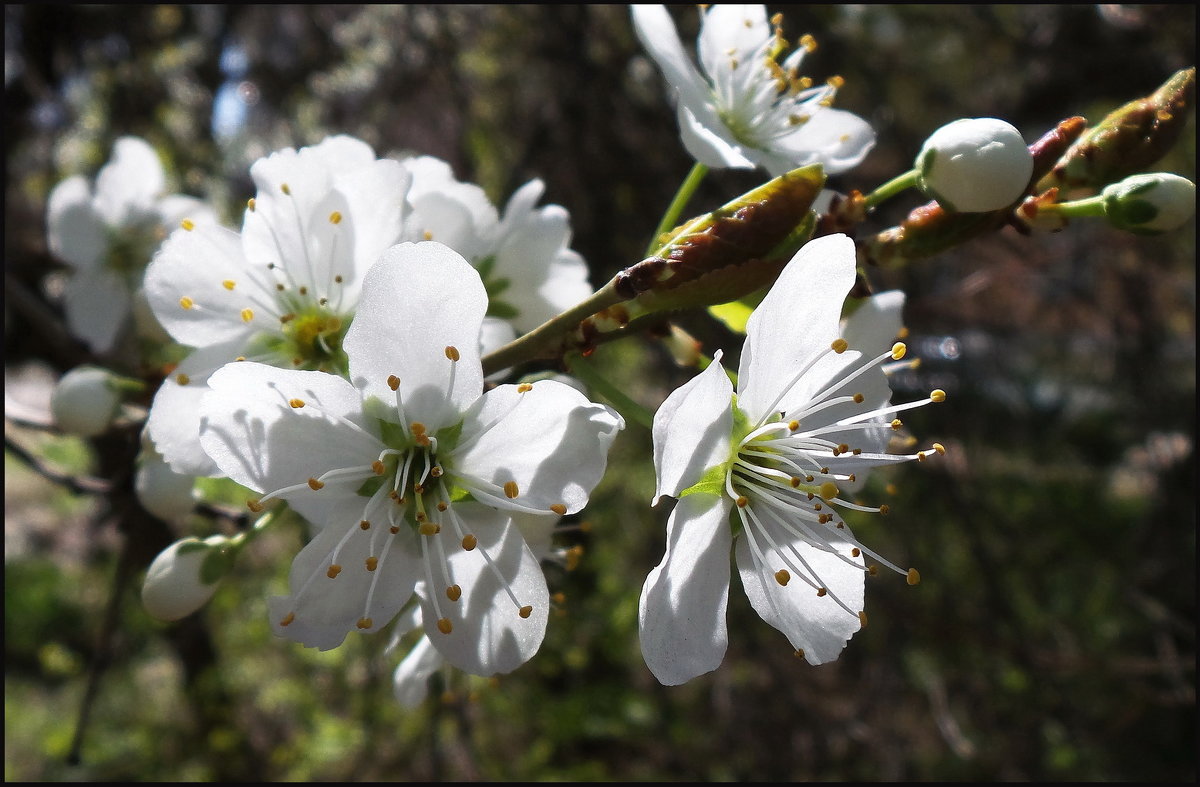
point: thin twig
(80, 485)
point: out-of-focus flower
(161, 491)
(975, 164)
(282, 291)
(409, 473)
(810, 417)
(109, 234)
(524, 259)
(85, 401)
(749, 109)
(1151, 203)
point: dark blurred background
(1054, 634)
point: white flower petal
(130, 182)
(731, 32)
(410, 681)
(818, 625)
(692, 430)
(708, 142)
(550, 440)
(837, 139)
(781, 339)
(488, 636)
(544, 278)
(681, 614)
(324, 609)
(656, 30)
(417, 301)
(75, 232)
(97, 304)
(375, 205)
(249, 429)
(174, 419)
(186, 287)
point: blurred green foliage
(1054, 634)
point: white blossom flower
(975, 164)
(282, 291)
(161, 491)
(748, 109)
(524, 258)
(809, 418)
(108, 235)
(410, 474)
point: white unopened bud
(1150, 203)
(974, 165)
(175, 586)
(85, 401)
(162, 491)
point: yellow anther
(247, 315)
(417, 428)
(859, 398)
(742, 501)
(372, 563)
(229, 284)
(365, 623)
(829, 490)
(393, 382)
(469, 542)
(452, 352)
(821, 592)
(377, 467)
(240, 358)
(843, 448)
(835, 81)
(428, 529)
(559, 509)
(333, 571)
(794, 482)
(800, 653)
(335, 218)
(920, 456)
(898, 350)
(442, 506)
(873, 570)
(364, 524)
(254, 506)
(855, 552)
(862, 619)
(303, 290)
(186, 302)
(885, 509)
(524, 388)
(427, 235)
(454, 592)
(511, 490)
(525, 611)
(558, 597)
(840, 345)
(296, 404)
(913, 577)
(284, 188)
(444, 626)
(250, 203)
(808, 42)
(793, 425)
(182, 379)
(782, 576)
(941, 449)
(436, 471)
(897, 423)
(777, 19)
(314, 484)
(338, 279)
(188, 224)
(938, 395)
(891, 489)
(286, 318)
(574, 554)
(287, 619)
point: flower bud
(974, 165)
(162, 491)
(85, 401)
(1150, 203)
(175, 586)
